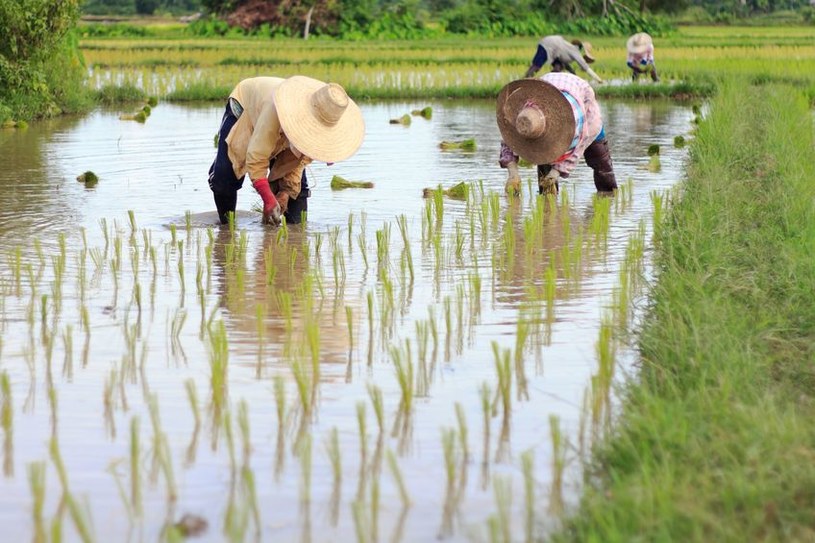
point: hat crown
(530, 122)
(329, 103)
(641, 39)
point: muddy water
(101, 314)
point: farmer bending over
(641, 56)
(552, 122)
(272, 129)
(560, 53)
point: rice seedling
(558, 464)
(36, 480)
(226, 421)
(404, 120)
(360, 521)
(459, 191)
(503, 369)
(332, 448)
(401, 221)
(486, 410)
(528, 469)
(7, 422)
(305, 389)
(462, 433)
(304, 454)
(606, 358)
(219, 363)
(362, 424)
(448, 441)
(375, 509)
(426, 112)
(250, 489)
(340, 183)
(68, 344)
(462, 145)
(161, 448)
(502, 488)
(79, 516)
(280, 411)
(192, 398)
(243, 427)
(405, 377)
(236, 517)
(313, 337)
(108, 402)
(135, 468)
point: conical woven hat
(535, 120)
(319, 118)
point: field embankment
(715, 441)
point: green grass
(715, 441)
(691, 62)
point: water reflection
(439, 340)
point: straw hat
(535, 120)
(585, 50)
(639, 43)
(319, 118)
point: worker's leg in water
(598, 158)
(222, 180)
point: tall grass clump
(715, 437)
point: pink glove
(272, 213)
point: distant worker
(272, 129)
(558, 52)
(641, 56)
(552, 122)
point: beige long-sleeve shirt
(557, 48)
(257, 137)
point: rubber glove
(272, 214)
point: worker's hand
(549, 183)
(272, 214)
(513, 184)
(283, 199)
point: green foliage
(141, 7)
(112, 30)
(212, 26)
(41, 70)
(409, 19)
(117, 94)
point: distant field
(457, 67)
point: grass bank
(715, 441)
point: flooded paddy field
(398, 369)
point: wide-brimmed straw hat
(585, 50)
(319, 119)
(639, 43)
(535, 120)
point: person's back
(560, 53)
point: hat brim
(313, 138)
(587, 53)
(560, 123)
